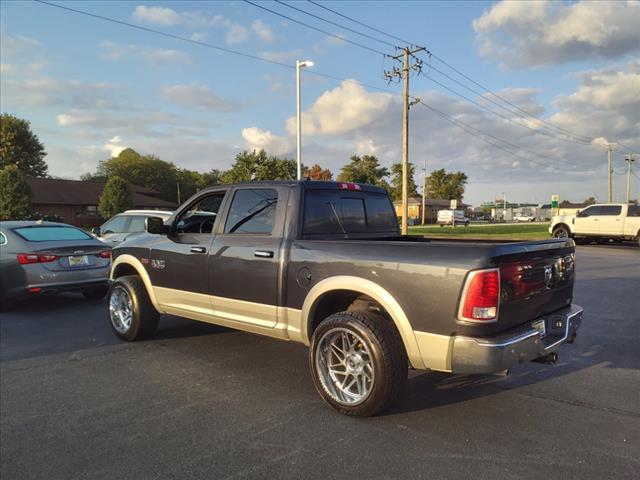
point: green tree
(257, 165)
(396, 181)
(446, 185)
(20, 146)
(364, 169)
(15, 194)
(143, 170)
(115, 198)
(210, 178)
(316, 172)
(590, 201)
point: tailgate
(535, 279)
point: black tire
(144, 317)
(386, 356)
(561, 231)
(96, 293)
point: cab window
(136, 224)
(589, 212)
(115, 225)
(611, 210)
(201, 216)
(252, 211)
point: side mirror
(96, 231)
(154, 225)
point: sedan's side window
(252, 211)
(115, 225)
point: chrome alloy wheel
(345, 366)
(560, 233)
(120, 309)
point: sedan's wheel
(561, 232)
(131, 313)
(358, 362)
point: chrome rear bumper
(494, 354)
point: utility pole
(629, 159)
(424, 192)
(407, 53)
(610, 171)
(178, 185)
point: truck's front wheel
(131, 313)
(358, 362)
(561, 232)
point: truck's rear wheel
(561, 232)
(358, 362)
(131, 313)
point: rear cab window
(51, 233)
(117, 224)
(343, 212)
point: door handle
(263, 253)
(198, 250)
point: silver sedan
(38, 258)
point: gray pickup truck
(323, 264)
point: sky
(569, 70)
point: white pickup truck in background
(602, 222)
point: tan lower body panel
(278, 322)
(435, 350)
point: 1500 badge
(158, 264)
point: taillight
(105, 254)
(481, 296)
(349, 186)
(27, 258)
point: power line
(462, 74)
(207, 45)
(484, 107)
(465, 126)
(315, 28)
(370, 37)
(361, 23)
(313, 72)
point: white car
(617, 221)
(119, 227)
(452, 217)
(521, 217)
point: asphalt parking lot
(200, 401)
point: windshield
(51, 233)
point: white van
(452, 217)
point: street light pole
(299, 64)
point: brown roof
(54, 191)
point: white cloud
(237, 34)
(156, 15)
(199, 96)
(544, 33)
(114, 146)
(155, 56)
(344, 109)
(257, 139)
(199, 36)
(333, 41)
(263, 31)
(47, 91)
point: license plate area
(541, 327)
(78, 261)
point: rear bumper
(44, 288)
(494, 354)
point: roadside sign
(554, 201)
(454, 204)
